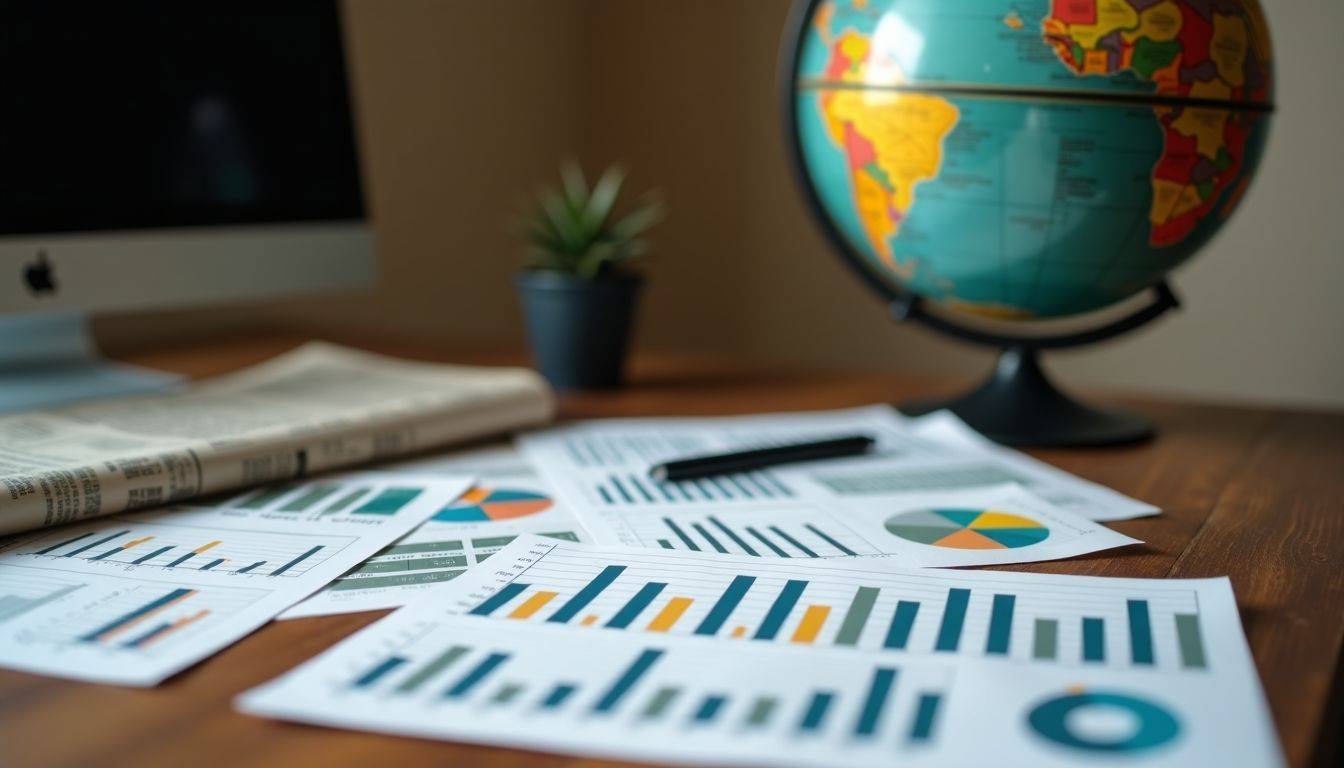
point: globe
(1027, 158)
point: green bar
(1045, 643)
(506, 694)
(1192, 644)
(397, 580)
(388, 502)
(345, 501)
(308, 498)
(492, 541)
(562, 535)
(660, 702)
(434, 667)
(857, 616)
(266, 497)
(416, 549)
(761, 711)
(417, 564)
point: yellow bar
(532, 605)
(739, 631)
(670, 613)
(206, 547)
(810, 626)
(589, 620)
(134, 542)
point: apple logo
(39, 276)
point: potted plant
(578, 292)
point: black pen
(746, 461)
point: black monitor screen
(132, 115)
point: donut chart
(967, 528)
(1150, 724)
(482, 504)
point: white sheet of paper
(866, 664)
(989, 526)
(604, 464)
(509, 499)
(132, 599)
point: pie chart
(967, 528)
(484, 504)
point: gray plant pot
(579, 329)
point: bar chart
(358, 497)
(625, 488)
(188, 548)
(411, 563)
(797, 531)
(457, 676)
(127, 615)
(1025, 618)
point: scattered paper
(509, 499)
(131, 599)
(695, 658)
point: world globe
(1027, 159)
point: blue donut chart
(1156, 725)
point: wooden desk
(1253, 493)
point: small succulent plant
(575, 230)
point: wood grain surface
(1252, 493)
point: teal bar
(1000, 625)
(876, 700)
(586, 595)
(378, 672)
(497, 600)
(1094, 639)
(925, 715)
(636, 605)
(1140, 633)
(558, 695)
(725, 606)
(954, 618)
(816, 711)
(898, 634)
(659, 703)
(627, 680)
(780, 609)
(478, 673)
(709, 708)
(389, 502)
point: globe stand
(1018, 404)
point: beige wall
(464, 105)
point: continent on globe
(1209, 50)
(891, 141)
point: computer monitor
(162, 154)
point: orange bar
(134, 542)
(739, 631)
(176, 625)
(206, 547)
(142, 617)
(669, 615)
(589, 620)
(813, 619)
(532, 605)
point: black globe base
(1018, 405)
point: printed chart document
(132, 599)
(509, 499)
(696, 658)
(603, 464)
(996, 525)
(317, 408)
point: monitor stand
(50, 359)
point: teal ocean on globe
(1030, 158)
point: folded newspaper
(317, 408)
